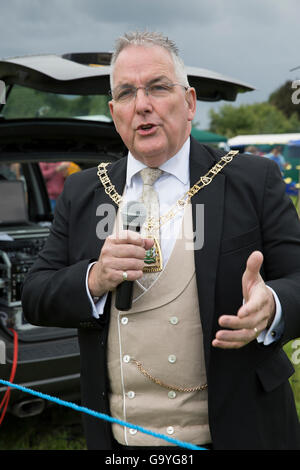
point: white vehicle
(262, 139)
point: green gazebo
(206, 137)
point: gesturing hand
(254, 315)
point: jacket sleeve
(54, 292)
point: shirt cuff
(268, 336)
(98, 303)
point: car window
(27, 195)
(28, 103)
(13, 193)
(10, 171)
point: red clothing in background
(54, 179)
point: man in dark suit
(247, 271)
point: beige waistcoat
(163, 331)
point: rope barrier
(103, 416)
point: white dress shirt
(176, 176)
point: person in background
(277, 157)
(54, 174)
(252, 149)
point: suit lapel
(104, 208)
(208, 231)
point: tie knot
(150, 175)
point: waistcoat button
(132, 431)
(126, 358)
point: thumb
(251, 275)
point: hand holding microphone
(121, 253)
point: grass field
(57, 428)
(60, 428)
(292, 349)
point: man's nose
(142, 101)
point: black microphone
(133, 216)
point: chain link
(163, 384)
(182, 202)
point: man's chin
(151, 160)
(150, 155)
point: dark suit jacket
(251, 404)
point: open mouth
(146, 129)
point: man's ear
(111, 109)
(191, 99)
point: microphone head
(134, 214)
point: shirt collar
(177, 166)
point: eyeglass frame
(146, 88)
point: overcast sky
(255, 41)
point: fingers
(120, 253)
(238, 332)
(235, 341)
(124, 237)
(253, 317)
(233, 322)
(125, 253)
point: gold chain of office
(182, 202)
(159, 382)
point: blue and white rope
(103, 416)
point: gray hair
(150, 39)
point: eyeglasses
(125, 94)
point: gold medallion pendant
(153, 259)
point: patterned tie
(151, 201)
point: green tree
(282, 99)
(23, 102)
(99, 105)
(28, 103)
(257, 118)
